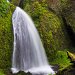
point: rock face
(69, 13)
(50, 26)
(66, 8)
(53, 20)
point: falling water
(28, 52)
(7, 0)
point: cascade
(28, 51)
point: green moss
(50, 27)
(3, 7)
(6, 35)
(1, 72)
(68, 12)
(70, 20)
(15, 2)
(64, 3)
(52, 32)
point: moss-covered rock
(66, 8)
(15, 2)
(6, 34)
(50, 26)
(70, 19)
(54, 5)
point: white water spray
(28, 53)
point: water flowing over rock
(28, 52)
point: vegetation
(46, 15)
(6, 36)
(1, 72)
(50, 27)
(62, 60)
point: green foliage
(62, 60)
(64, 3)
(15, 2)
(1, 72)
(3, 7)
(6, 35)
(71, 55)
(50, 27)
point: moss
(6, 35)
(68, 12)
(52, 31)
(3, 7)
(70, 20)
(64, 3)
(50, 27)
(15, 2)
(1, 72)
(62, 60)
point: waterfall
(28, 52)
(7, 0)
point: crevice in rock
(69, 31)
(21, 3)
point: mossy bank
(51, 27)
(6, 34)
